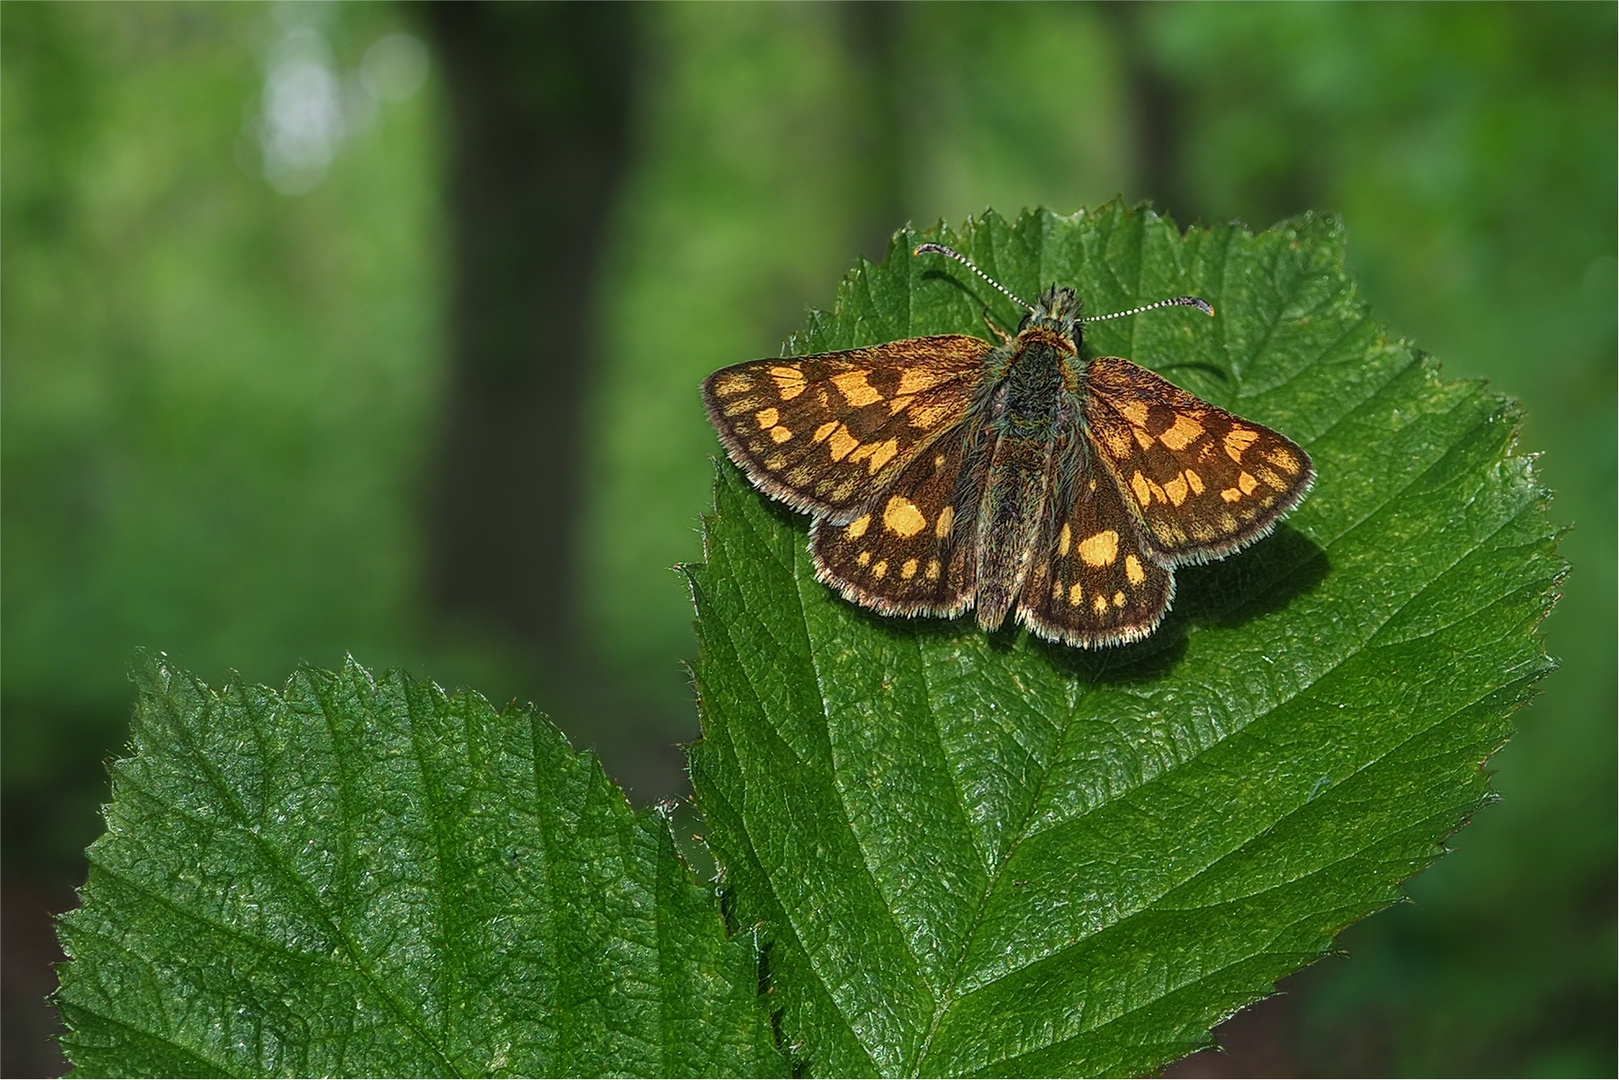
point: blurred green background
(376, 328)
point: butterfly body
(1032, 383)
(945, 473)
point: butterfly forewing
(913, 552)
(829, 433)
(1093, 581)
(1201, 481)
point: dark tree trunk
(1156, 113)
(872, 34)
(539, 101)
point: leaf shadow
(965, 288)
(1229, 593)
(1265, 578)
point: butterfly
(945, 472)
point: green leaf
(369, 877)
(974, 854)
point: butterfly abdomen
(1009, 519)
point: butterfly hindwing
(1093, 581)
(827, 433)
(1201, 481)
(912, 552)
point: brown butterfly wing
(1201, 481)
(913, 552)
(827, 434)
(1093, 580)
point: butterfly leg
(1004, 337)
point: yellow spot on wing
(914, 380)
(1135, 412)
(1247, 483)
(1099, 605)
(1118, 443)
(767, 418)
(1231, 495)
(1065, 539)
(1138, 484)
(855, 389)
(1100, 549)
(857, 528)
(1142, 437)
(842, 443)
(1182, 434)
(1283, 459)
(932, 573)
(1133, 569)
(902, 518)
(1075, 594)
(908, 571)
(824, 430)
(947, 517)
(1194, 481)
(1176, 490)
(726, 385)
(877, 454)
(897, 406)
(779, 434)
(789, 382)
(1118, 599)
(880, 569)
(1237, 440)
(864, 559)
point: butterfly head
(1058, 310)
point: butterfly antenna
(940, 249)
(1180, 301)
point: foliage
(366, 877)
(962, 853)
(977, 854)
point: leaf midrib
(1347, 857)
(1303, 689)
(947, 1000)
